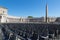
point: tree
(30, 16)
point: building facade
(5, 18)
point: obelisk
(46, 13)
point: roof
(3, 7)
(12, 16)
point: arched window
(0, 17)
(3, 11)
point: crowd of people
(31, 31)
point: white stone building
(4, 17)
(3, 14)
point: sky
(35, 8)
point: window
(0, 17)
(3, 11)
